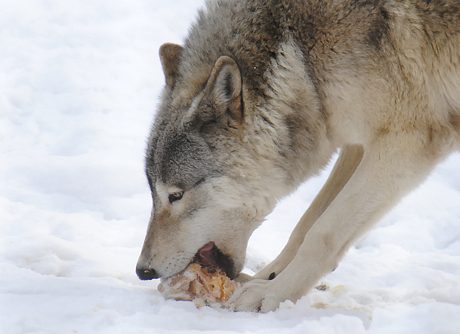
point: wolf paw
(255, 296)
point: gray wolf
(257, 100)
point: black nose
(146, 274)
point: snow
(79, 82)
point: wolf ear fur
(169, 56)
(223, 91)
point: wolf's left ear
(223, 90)
(170, 55)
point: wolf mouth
(211, 257)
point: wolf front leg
(384, 175)
(347, 162)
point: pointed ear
(170, 55)
(223, 90)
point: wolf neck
(280, 95)
(289, 123)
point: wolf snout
(146, 273)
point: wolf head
(224, 148)
(205, 183)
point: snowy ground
(79, 82)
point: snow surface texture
(79, 84)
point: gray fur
(261, 95)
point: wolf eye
(175, 196)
